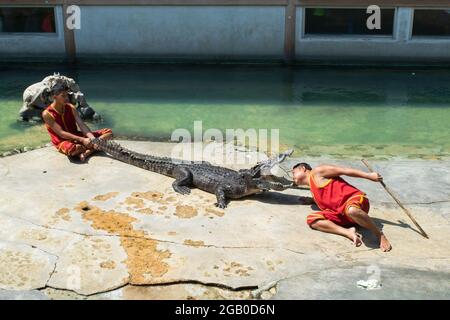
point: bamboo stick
(388, 190)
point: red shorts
(66, 147)
(341, 218)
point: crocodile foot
(182, 189)
(220, 205)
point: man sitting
(69, 134)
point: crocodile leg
(183, 180)
(221, 198)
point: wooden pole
(289, 32)
(69, 38)
(397, 201)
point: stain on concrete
(145, 211)
(149, 195)
(171, 292)
(271, 265)
(135, 201)
(106, 196)
(60, 215)
(108, 264)
(194, 243)
(144, 259)
(170, 199)
(236, 268)
(63, 213)
(185, 211)
(33, 234)
(215, 212)
(24, 267)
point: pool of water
(332, 111)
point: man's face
(61, 97)
(299, 175)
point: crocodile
(225, 183)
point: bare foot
(82, 157)
(385, 246)
(355, 237)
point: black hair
(58, 88)
(302, 164)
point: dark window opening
(431, 23)
(26, 19)
(346, 21)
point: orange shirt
(66, 120)
(333, 194)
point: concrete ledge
(95, 230)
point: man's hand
(375, 176)
(86, 142)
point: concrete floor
(108, 230)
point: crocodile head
(263, 177)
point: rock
(266, 295)
(96, 117)
(38, 95)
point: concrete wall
(399, 47)
(32, 44)
(181, 31)
(218, 32)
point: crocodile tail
(113, 149)
(156, 164)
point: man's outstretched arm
(329, 171)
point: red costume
(66, 121)
(334, 198)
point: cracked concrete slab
(94, 264)
(108, 230)
(21, 231)
(24, 267)
(395, 283)
(174, 292)
(178, 291)
(416, 181)
(22, 295)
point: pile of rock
(22, 150)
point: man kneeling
(342, 205)
(69, 134)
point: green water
(342, 112)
